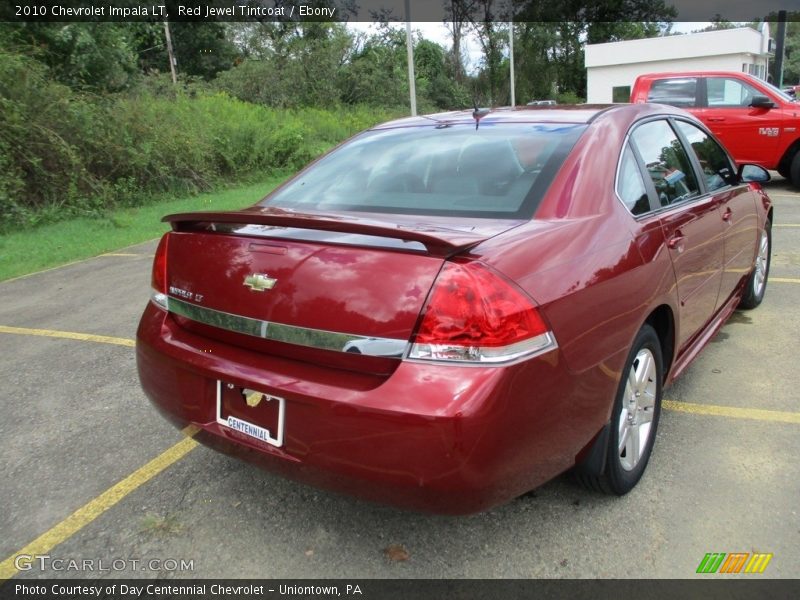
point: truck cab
(757, 123)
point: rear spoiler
(438, 241)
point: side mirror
(759, 101)
(750, 173)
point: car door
(750, 134)
(736, 205)
(691, 224)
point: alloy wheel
(638, 406)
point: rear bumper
(429, 437)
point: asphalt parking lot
(91, 472)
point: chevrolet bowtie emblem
(252, 398)
(259, 282)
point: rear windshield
(497, 171)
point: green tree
(458, 13)
(791, 49)
(89, 56)
(377, 71)
(791, 64)
(552, 36)
(535, 67)
(434, 85)
(289, 64)
(202, 49)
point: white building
(612, 68)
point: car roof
(579, 114)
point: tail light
(159, 278)
(475, 316)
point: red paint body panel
(451, 440)
(445, 437)
(697, 260)
(318, 286)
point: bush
(64, 154)
(569, 98)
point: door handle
(715, 119)
(727, 215)
(675, 242)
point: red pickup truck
(757, 123)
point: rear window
(666, 161)
(675, 92)
(497, 171)
(717, 168)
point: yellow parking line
(68, 335)
(757, 414)
(119, 254)
(93, 509)
(783, 280)
(786, 224)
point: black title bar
(743, 588)
(393, 10)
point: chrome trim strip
(290, 334)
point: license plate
(250, 412)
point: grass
(56, 244)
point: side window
(723, 91)
(676, 92)
(630, 185)
(667, 162)
(717, 168)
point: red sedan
(447, 311)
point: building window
(621, 93)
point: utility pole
(171, 55)
(412, 87)
(511, 59)
(780, 48)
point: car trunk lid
(343, 291)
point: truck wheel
(794, 170)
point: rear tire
(794, 170)
(756, 285)
(634, 419)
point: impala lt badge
(259, 282)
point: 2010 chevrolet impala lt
(447, 311)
